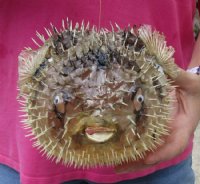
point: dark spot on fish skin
(133, 41)
(42, 66)
(139, 46)
(102, 58)
(64, 39)
(158, 89)
(139, 113)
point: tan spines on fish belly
(79, 100)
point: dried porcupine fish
(97, 98)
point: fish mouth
(99, 134)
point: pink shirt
(18, 22)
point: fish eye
(57, 100)
(140, 98)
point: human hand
(185, 119)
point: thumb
(187, 81)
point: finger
(187, 80)
(166, 153)
(174, 145)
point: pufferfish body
(97, 98)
